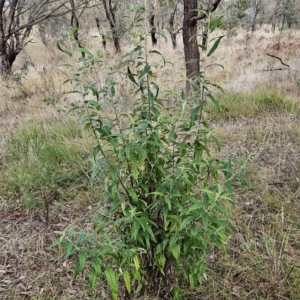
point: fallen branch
(278, 59)
(275, 69)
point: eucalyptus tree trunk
(152, 7)
(75, 24)
(172, 32)
(191, 50)
(98, 25)
(275, 15)
(110, 11)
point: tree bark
(204, 36)
(256, 12)
(5, 66)
(17, 18)
(153, 30)
(274, 19)
(75, 23)
(189, 32)
(152, 7)
(171, 29)
(110, 12)
(7, 58)
(98, 25)
(191, 50)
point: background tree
(191, 50)
(97, 19)
(171, 28)
(152, 13)
(76, 13)
(275, 14)
(110, 11)
(17, 18)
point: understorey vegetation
(169, 197)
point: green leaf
(136, 263)
(82, 260)
(175, 251)
(92, 278)
(157, 52)
(216, 23)
(131, 76)
(192, 281)
(94, 103)
(84, 51)
(70, 247)
(127, 281)
(96, 267)
(145, 70)
(218, 65)
(186, 221)
(72, 31)
(102, 227)
(205, 220)
(62, 50)
(133, 194)
(214, 101)
(215, 46)
(194, 113)
(112, 279)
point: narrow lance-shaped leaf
(112, 279)
(127, 281)
(62, 50)
(215, 46)
(145, 70)
(131, 76)
(214, 101)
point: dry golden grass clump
(45, 168)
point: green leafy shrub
(169, 198)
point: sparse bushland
(261, 257)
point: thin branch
(206, 12)
(274, 69)
(278, 59)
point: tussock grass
(254, 104)
(41, 163)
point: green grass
(41, 163)
(253, 104)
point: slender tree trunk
(204, 36)
(7, 56)
(274, 19)
(75, 24)
(102, 34)
(256, 12)
(110, 12)
(171, 30)
(191, 50)
(98, 25)
(5, 66)
(153, 30)
(152, 7)
(43, 34)
(75, 34)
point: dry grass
(262, 256)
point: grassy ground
(45, 168)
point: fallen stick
(274, 69)
(277, 58)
